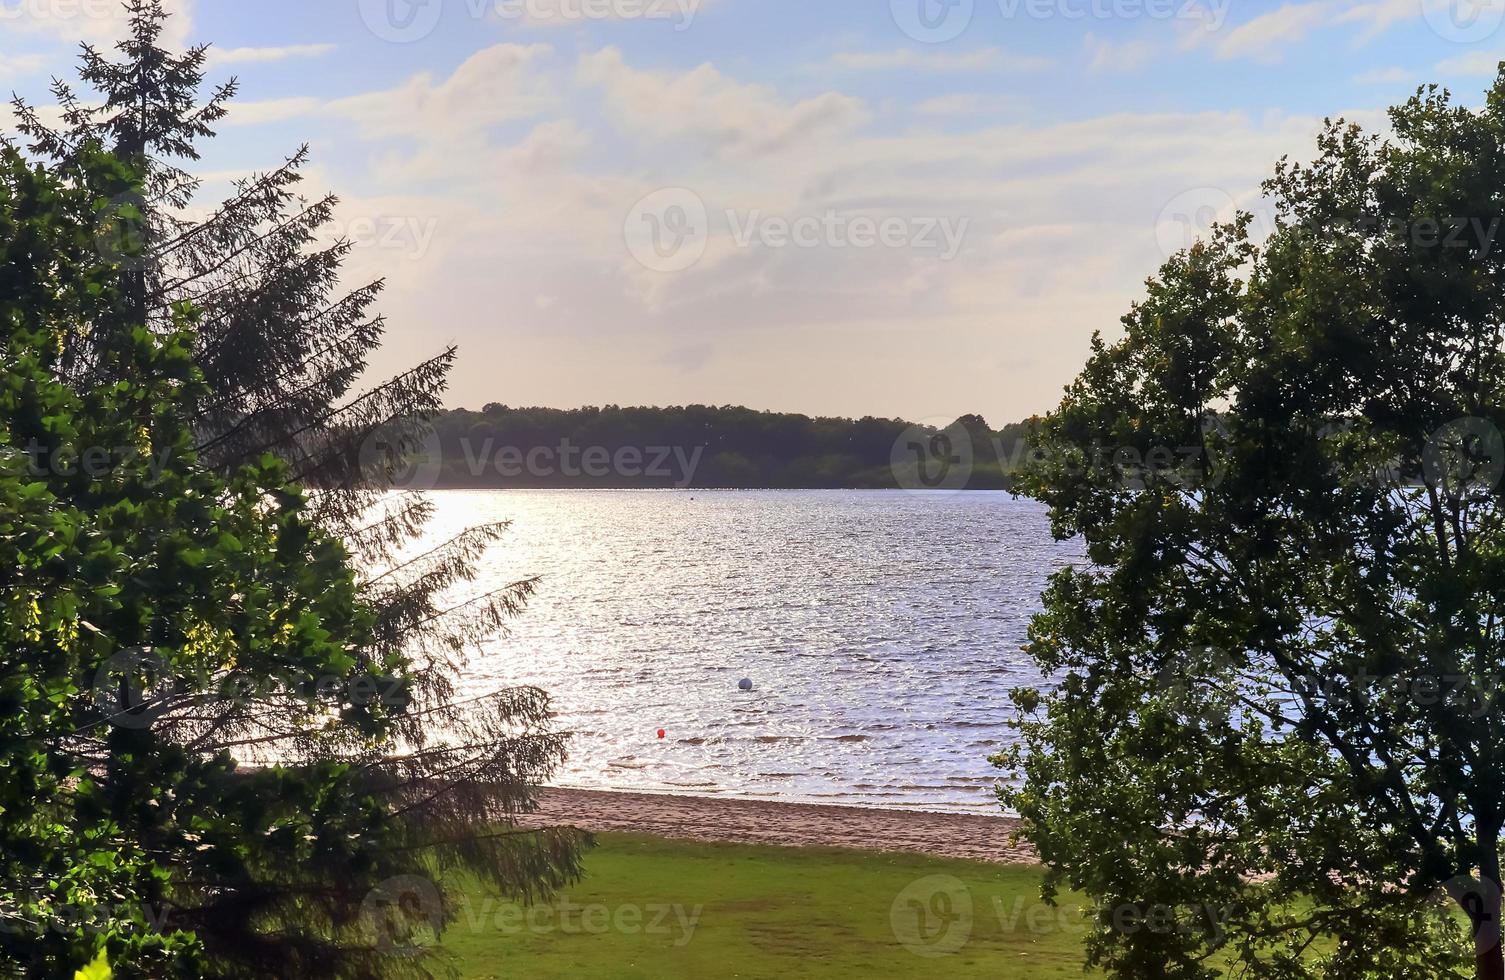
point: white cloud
(1063, 221)
(97, 22)
(12, 65)
(707, 106)
(1378, 16)
(957, 104)
(1473, 63)
(1063, 229)
(271, 110)
(236, 56)
(987, 59)
(498, 84)
(51, 116)
(1106, 55)
(495, 85)
(516, 170)
(1265, 37)
(1385, 76)
(548, 148)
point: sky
(901, 208)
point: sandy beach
(956, 835)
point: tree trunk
(1489, 964)
(1480, 899)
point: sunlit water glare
(882, 632)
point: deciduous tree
(1277, 738)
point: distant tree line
(712, 447)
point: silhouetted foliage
(700, 446)
(253, 301)
(1276, 739)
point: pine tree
(281, 347)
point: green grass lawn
(651, 907)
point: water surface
(882, 631)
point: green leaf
(99, 969)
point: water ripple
(882, 631)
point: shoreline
(555, 488)
(975, 837)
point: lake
(881, 630)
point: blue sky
(916, 208)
